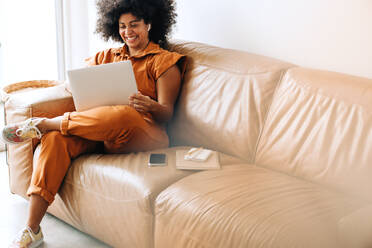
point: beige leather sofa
(295, 146)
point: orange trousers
(121, 129)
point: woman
(143, 26)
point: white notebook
(212, 163)
(102, 85)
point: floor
(57, 234)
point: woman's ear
(149, 27)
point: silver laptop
(102, 85)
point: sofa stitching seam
(269, 111)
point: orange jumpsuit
(119, 129)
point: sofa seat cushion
(100, 188)
(248, 206)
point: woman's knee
(119, 115)
(54, 141)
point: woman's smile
(134, 32)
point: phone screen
(157, 159)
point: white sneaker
(27, 239)
(20, 132)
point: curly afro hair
(160, 13)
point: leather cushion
(247, 206)
(111, 196)
(224, 99)
(319, 128)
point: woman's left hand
(141, 103)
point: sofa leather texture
(249, 206)
(224, 99)
(294, 144)
(356, 228)
(319, 129)
(117, 192)
(115, 187)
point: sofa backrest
(224, 98)
(319, 128)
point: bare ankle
(43, 125)
(54, 124)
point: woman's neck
(133, 52)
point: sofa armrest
(39, 102)
(21, 105)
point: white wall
(325, 34)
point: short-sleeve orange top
(148, 66)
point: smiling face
(134, 32)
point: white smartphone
(157, 159)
